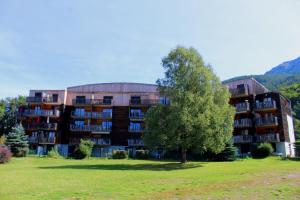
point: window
(80, 99)
(135, 126)
(38, 94)
(79, 123)
(107, 100)
(79, 111)
(107, 125)
(164, 100)
(107, 110)
(135, 100)
(55, 97)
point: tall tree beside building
(8, 113)
(199, 116)
(17, 141)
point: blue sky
(60, 43)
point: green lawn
(42, 178)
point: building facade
(112, 115)
(261, 116)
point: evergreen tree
(17, 141)
(199, 115)
(229, 153)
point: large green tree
(8, 113)
(199, 116)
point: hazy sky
(55, 44)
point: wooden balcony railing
(242, 107)
(90, 128)
(41, 126)
(92, 102)
(242, 138)
(242, 123)
(44, 113)
(266, 105)
(270, 121)
(143, 102)
(270, 137)
(42, 100)
(136, 116)
(135, 129)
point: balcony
(266, 122)
(42, 139)
(136, 116)
(41, 126)
(239, 92)
(242, 138)
(90, 128)
(43, 113)
(80, 114)
(143, 102)
(42, 100)
(135, 142)
(101, 102)
(242, 107)
(271, 137)
(101, 115)
(100, 129)
(243, 123)
(265, 106)
(135, 129)
(101, 141)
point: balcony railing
(41, 140)
(143, 102)
(101, 141)
(41, 126)
(135, 142)
(81, 115)
(135, 129)
(41, 100)
(242, 107)
(44, 113)
(266, 105)
(136, 116)
(242, 123)
(101, 115)
(92, 102)
(270, 121)
(242, 138)
(90, 128)
(239, 92)
(271, 137)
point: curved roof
(115, 87)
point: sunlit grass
(42, 178)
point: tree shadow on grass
(151, 167)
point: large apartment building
(112, 115)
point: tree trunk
(183, 155)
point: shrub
(17, 141)
(263, 150)
(53, 153)
(142, 154)
(5, 154)
(84, 150)
(228, 154)
(119, 154)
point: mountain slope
(288, 67)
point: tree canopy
(199, 115)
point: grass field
(45, 178)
